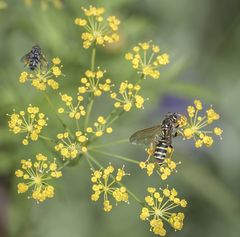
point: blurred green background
(202, 38)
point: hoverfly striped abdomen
(160, 151)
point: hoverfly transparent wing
(25, 59)
(43, 61)
(145, 136)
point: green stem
(116, 117)
(93, 58)
(64, 164)
(91, 97)
(117, 156)
(77, 124)
(109, 144)
(52, 106)
(90, 163)
(48, 139)
(133, 195)
(88, 112)
(140, 79)
(111, 114)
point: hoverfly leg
(150, 150)
(171, 151)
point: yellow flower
(23, 77)
(99, 127)
(212, 115)
(94, 83)
(73, 111)
(104, 182)
(35, 176)
(188, 133)
(198, 104)
(176, 220)
(43, 77)
(158, 208)
(218, 131)
(98, 29)
(191, 111)
(70, 148)
(22, 187)
(128, 97)
(56, 71)
(195, 126)
(163, 59)
(198, 143)
(164, 169)
(207, 140)
(182, 121)
(56, 61)
(30, 122)
(146, 59)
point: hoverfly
(34, 58)
(158, 138)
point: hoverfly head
(36, 48)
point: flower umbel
(43, 77)
(194, 125)
(147, 60)
(70, 148)
(93, 83)
(74, 111)
(128, 96)
(158, 209)
(30, 122)
(36, 175)
(98, 30)
(105, 183)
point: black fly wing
(145, 136)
